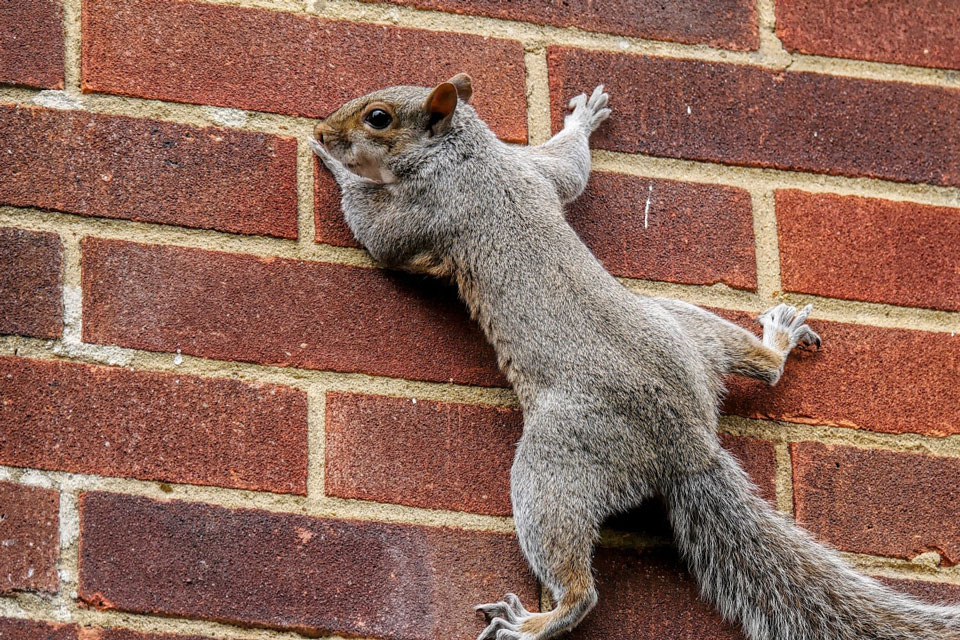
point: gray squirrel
(619, 392)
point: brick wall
(220, 419)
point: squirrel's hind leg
(558, 506)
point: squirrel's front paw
(589, 112)
(786, 326)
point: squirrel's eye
(378, 119)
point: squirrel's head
(371, 134)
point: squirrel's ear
(440, 106)
(464, 86)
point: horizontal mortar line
(874, 314)
(305, 379)
(897, 568)
(186, 113)
(36, 219)
(833, 309)
(783, 431)
(873, 70)
(319, 507)
(765, 179)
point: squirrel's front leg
(565, 158)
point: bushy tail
(772, 578)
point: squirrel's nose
(320, 130)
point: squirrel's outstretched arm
(565, 158)
(732, 349)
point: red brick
(878, 502)
(759, 117)
(920, 32)
(438, 455)
(16, 629)
(872, 250)
(731, 24)
(31, 43)
(29, 538)
(936, 592)
(864, 377)
(31, 303)
(152, 426)
(19, 629)
(648, 595)
(283, 312)
(150, 171)
(694, 233)
(214, 54)
(310, 575)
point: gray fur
(619, 391)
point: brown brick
(31, 43)
(31, 303)
(213, 54)
(878, 502)
(147, 170)
(20, 629)
(438, 455)
(759, 117)
(731, 24)
(283, 312)
(310, 575)
(695, 234)
(329, 225)
(867, 249)
(864, 377)
(691, 233)
(29, 538)
(152, 426)
(920, 32)
(15, 629)
(648, 595)
(936, 592)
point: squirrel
(619, 392)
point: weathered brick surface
(864, 377)
(731, 24)
(439, 455)
(29, 538)
(16, 629)
(283, 312)
(147, 170)
(695, 233)
(878, 502)
(648, 595)
(936, 592)
(20, 629)
(869, 249)
(31, 303)
(292, 572)
(153, 426)
(920, 32)
(758, 117)
(214, 54)
(690, 233)
(31, 43)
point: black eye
(378, 119)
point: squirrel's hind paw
(505, 618)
